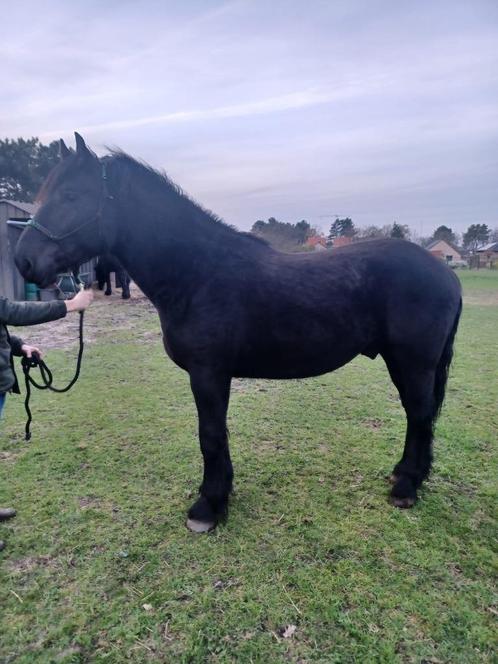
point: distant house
(446, 251)
(317, 242)
(488, 255)
(13, 216)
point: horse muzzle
(37, 264)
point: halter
(32, 223)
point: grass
(100, 568)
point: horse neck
(168, 245)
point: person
(27, 313)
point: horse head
(68, 227)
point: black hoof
(203, 517)
(403, 493)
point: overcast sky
(377, 110)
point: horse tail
(444, 363)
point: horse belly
(299, 360)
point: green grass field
(99, 566)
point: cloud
(292, 101)
(284, 108)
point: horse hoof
(402, 503)
(200, 526)
(393, 479)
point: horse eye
(70, 196)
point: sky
(378, 110)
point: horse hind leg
(421, 386)
(416, 387)
(125, 285)
(108, 290)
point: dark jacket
(21, 313)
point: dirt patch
(106, 315)
(486, 299)
(89, 502)
(10, 457)
(28, 564)
(251, 385)
(372, 423)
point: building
(11, 282)
(317, 242)
(13, 216)
(488, 255)
(446, 251)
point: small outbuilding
(488, 255)
(13, 216)
(11, 282)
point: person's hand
(29, 351)
(80, 301)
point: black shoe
(7, 513)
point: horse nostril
(25, 267)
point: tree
(370, 233)
(493, 236)
(304, 230)
(444, 233)
(399, 231)
(475, 236)
(342, 228)
(283, 235)
(24, 165)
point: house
(488, 255)
(13, 216)
(317, 242)
(446, 251)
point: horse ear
(81, 148)
(64, 151)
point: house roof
(492, 246)
(30, 208)
(450, 244)
(315, 239)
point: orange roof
(316, 239)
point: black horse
(230, 305)
(106, 265)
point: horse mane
(139, 167)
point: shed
(488, 255)
(11, 282)
(13, 215)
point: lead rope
(29, 363)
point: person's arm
(30, 313)
(33, 313)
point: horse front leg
(211, 393)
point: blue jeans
(2, 401)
